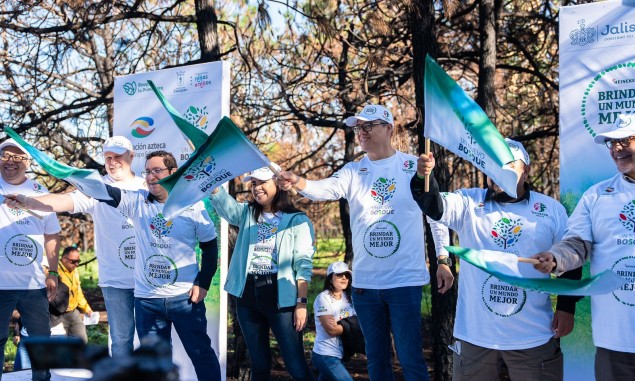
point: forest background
(298, 68)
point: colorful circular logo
(142, 127)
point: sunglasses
(342, 275)
(75, 261)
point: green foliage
(97, 334)
(569, 200)
(88, 272)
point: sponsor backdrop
(597, 83)
(201, 94)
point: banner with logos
(597, 83)
(201, 94)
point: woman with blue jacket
(269, 272)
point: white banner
(201, 94)
(597, 83)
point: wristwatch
(445, 261)
(302, 300)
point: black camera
(151, 361)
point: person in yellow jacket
(73, 318)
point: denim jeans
(397, 310)
(120, 307)
(331, 368)
(22, 360)
(257, 311)
(33, 306)
(155, 316)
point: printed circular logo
(142, 127)
(506, 232)
(21, 250)
(502, 298)
(127, 252)
(160, 271)
(382, 239)
(197, 116)
(625, 268)
(627, 216)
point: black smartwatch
(302, 300)
(444, 261)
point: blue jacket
(294, 241)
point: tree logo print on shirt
(383, 190)
(16, 212)
(197, 116)
(159, 226)
(627, 216)
(200, 168)
(266, 230)
(506, 232)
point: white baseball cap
(370, 113)
(518, 151)
(624, 127)
(262, 174)
(12, 143)
(338, 268)
(118, 145)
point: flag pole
(275, 172)
(426, 186)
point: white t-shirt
(387, 223)
(326, 304)
(491, 313)
(166, 263)
(114, 235)
(605, 216)
(22, 240)
(264, 259)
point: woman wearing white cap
(333, 304)
(269, 272)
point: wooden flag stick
(276, 171)
(426, 186)
(32, 213)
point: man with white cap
(24, 240)
(496, 322)
(600, 230)
(388, 243)
(114, 241)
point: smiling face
(624, 158)
(13, 172)
(264, 192)
(118, 165)
(155, 171)
(377, 139)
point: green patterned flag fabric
(227, 153)
(196, 136)
(87, 181)
(456, 122)
(504, 266)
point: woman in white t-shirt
(330, 306)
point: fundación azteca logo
(142, 127)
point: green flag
(87, 181)
(504, 266)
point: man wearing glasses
(73, 318)
(601, 230)
(114, 241)
(388, 243)
(24, 241)
(169, 288)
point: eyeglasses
(74, 261)
(14, 158)
(342, 275)
(625, 142)
(367, 127)
(156, 171)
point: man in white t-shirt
(169, 287)
(24, 241)
(114, 241)
(388, 244)
(602, 229)
(496, 322)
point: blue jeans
(155, 316)
(331, 368)
(120, 307)
(397, 310)
(22, 360)
(33, 306)
(257, 311)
